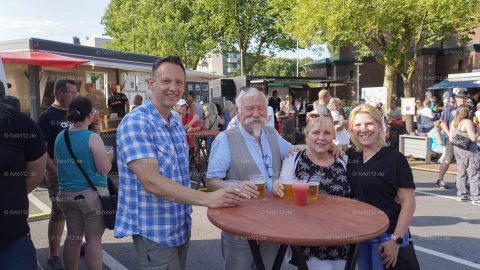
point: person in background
(97, 98)
(379, 107)
(12, 101)
(79, 202)
(320, 105)
(118, 102)
(51, 122)
(390, 188)
(154, 196)
(137, 101)
(438, 140)
(220, 114)
(468, 161)
(189, 121)
(426, 118)
(446, 98)
(287, 115)
(436, 112)
(477, 117)
(397, 125)
(433, 102)
(270, 117)
(195, 107)
(445, 122)
(22, 166)
(341, 134)
(212, 122)
(274, 102)
(318, 164)
(227, 114)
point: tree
(159, 28)
(251, 26)
(271, 66)
(390, 30)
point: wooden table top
(203, 132)
(330, 220)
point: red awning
(40, 59)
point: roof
(40, 59)
(463, 80)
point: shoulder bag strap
(69, 147)
(216, 116)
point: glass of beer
(313, 190)
(259, 181)
(287, 183)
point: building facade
(226, 64)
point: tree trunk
(390, 82)
(242, 60)
(408, 81)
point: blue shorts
(20, 254)
(368, 256)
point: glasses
(248, 88)
(267, 160)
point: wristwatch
(397, 239)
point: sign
(408, 106)
(373, 95)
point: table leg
(279, 258)
(257, 257)
(352, 257)
(299, 258)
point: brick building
(433, 65)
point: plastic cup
(235, 184)
(287, 187)
(259, 181)
(300, 191)
(313, 190)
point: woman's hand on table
(248, 190)
(389, 253)
(278, 188)
(225, 197)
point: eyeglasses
(248, 88)
(267, 160)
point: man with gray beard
(252, 148)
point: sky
(62, 20)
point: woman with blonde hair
(468, 163)
(381, 176)
(341, 138)
(318, 164)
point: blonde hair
(377, 118)
(460, 114)
(333, 102)
(212, 108)
(322, 123)
(227, 105)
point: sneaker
(476, 202)
(441, 184)
(54, 263)
(463, 198)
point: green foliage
(250, 26)
(271, 66)
(159, 28)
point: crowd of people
(347, 151)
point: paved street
(446, 232)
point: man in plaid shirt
(155, 198)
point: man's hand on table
(225, 197)
(248, 190)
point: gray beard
(257, 131)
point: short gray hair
(250, 92)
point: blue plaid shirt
(144, 133)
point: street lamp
(358, 80)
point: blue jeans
(21, 254)
(368, 256)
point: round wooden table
(327, 221)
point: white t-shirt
(341, 137)
(270, 113)
(426, 116)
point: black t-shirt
(377, 181)
(21, 141)
(51, 122)
(117, 102)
